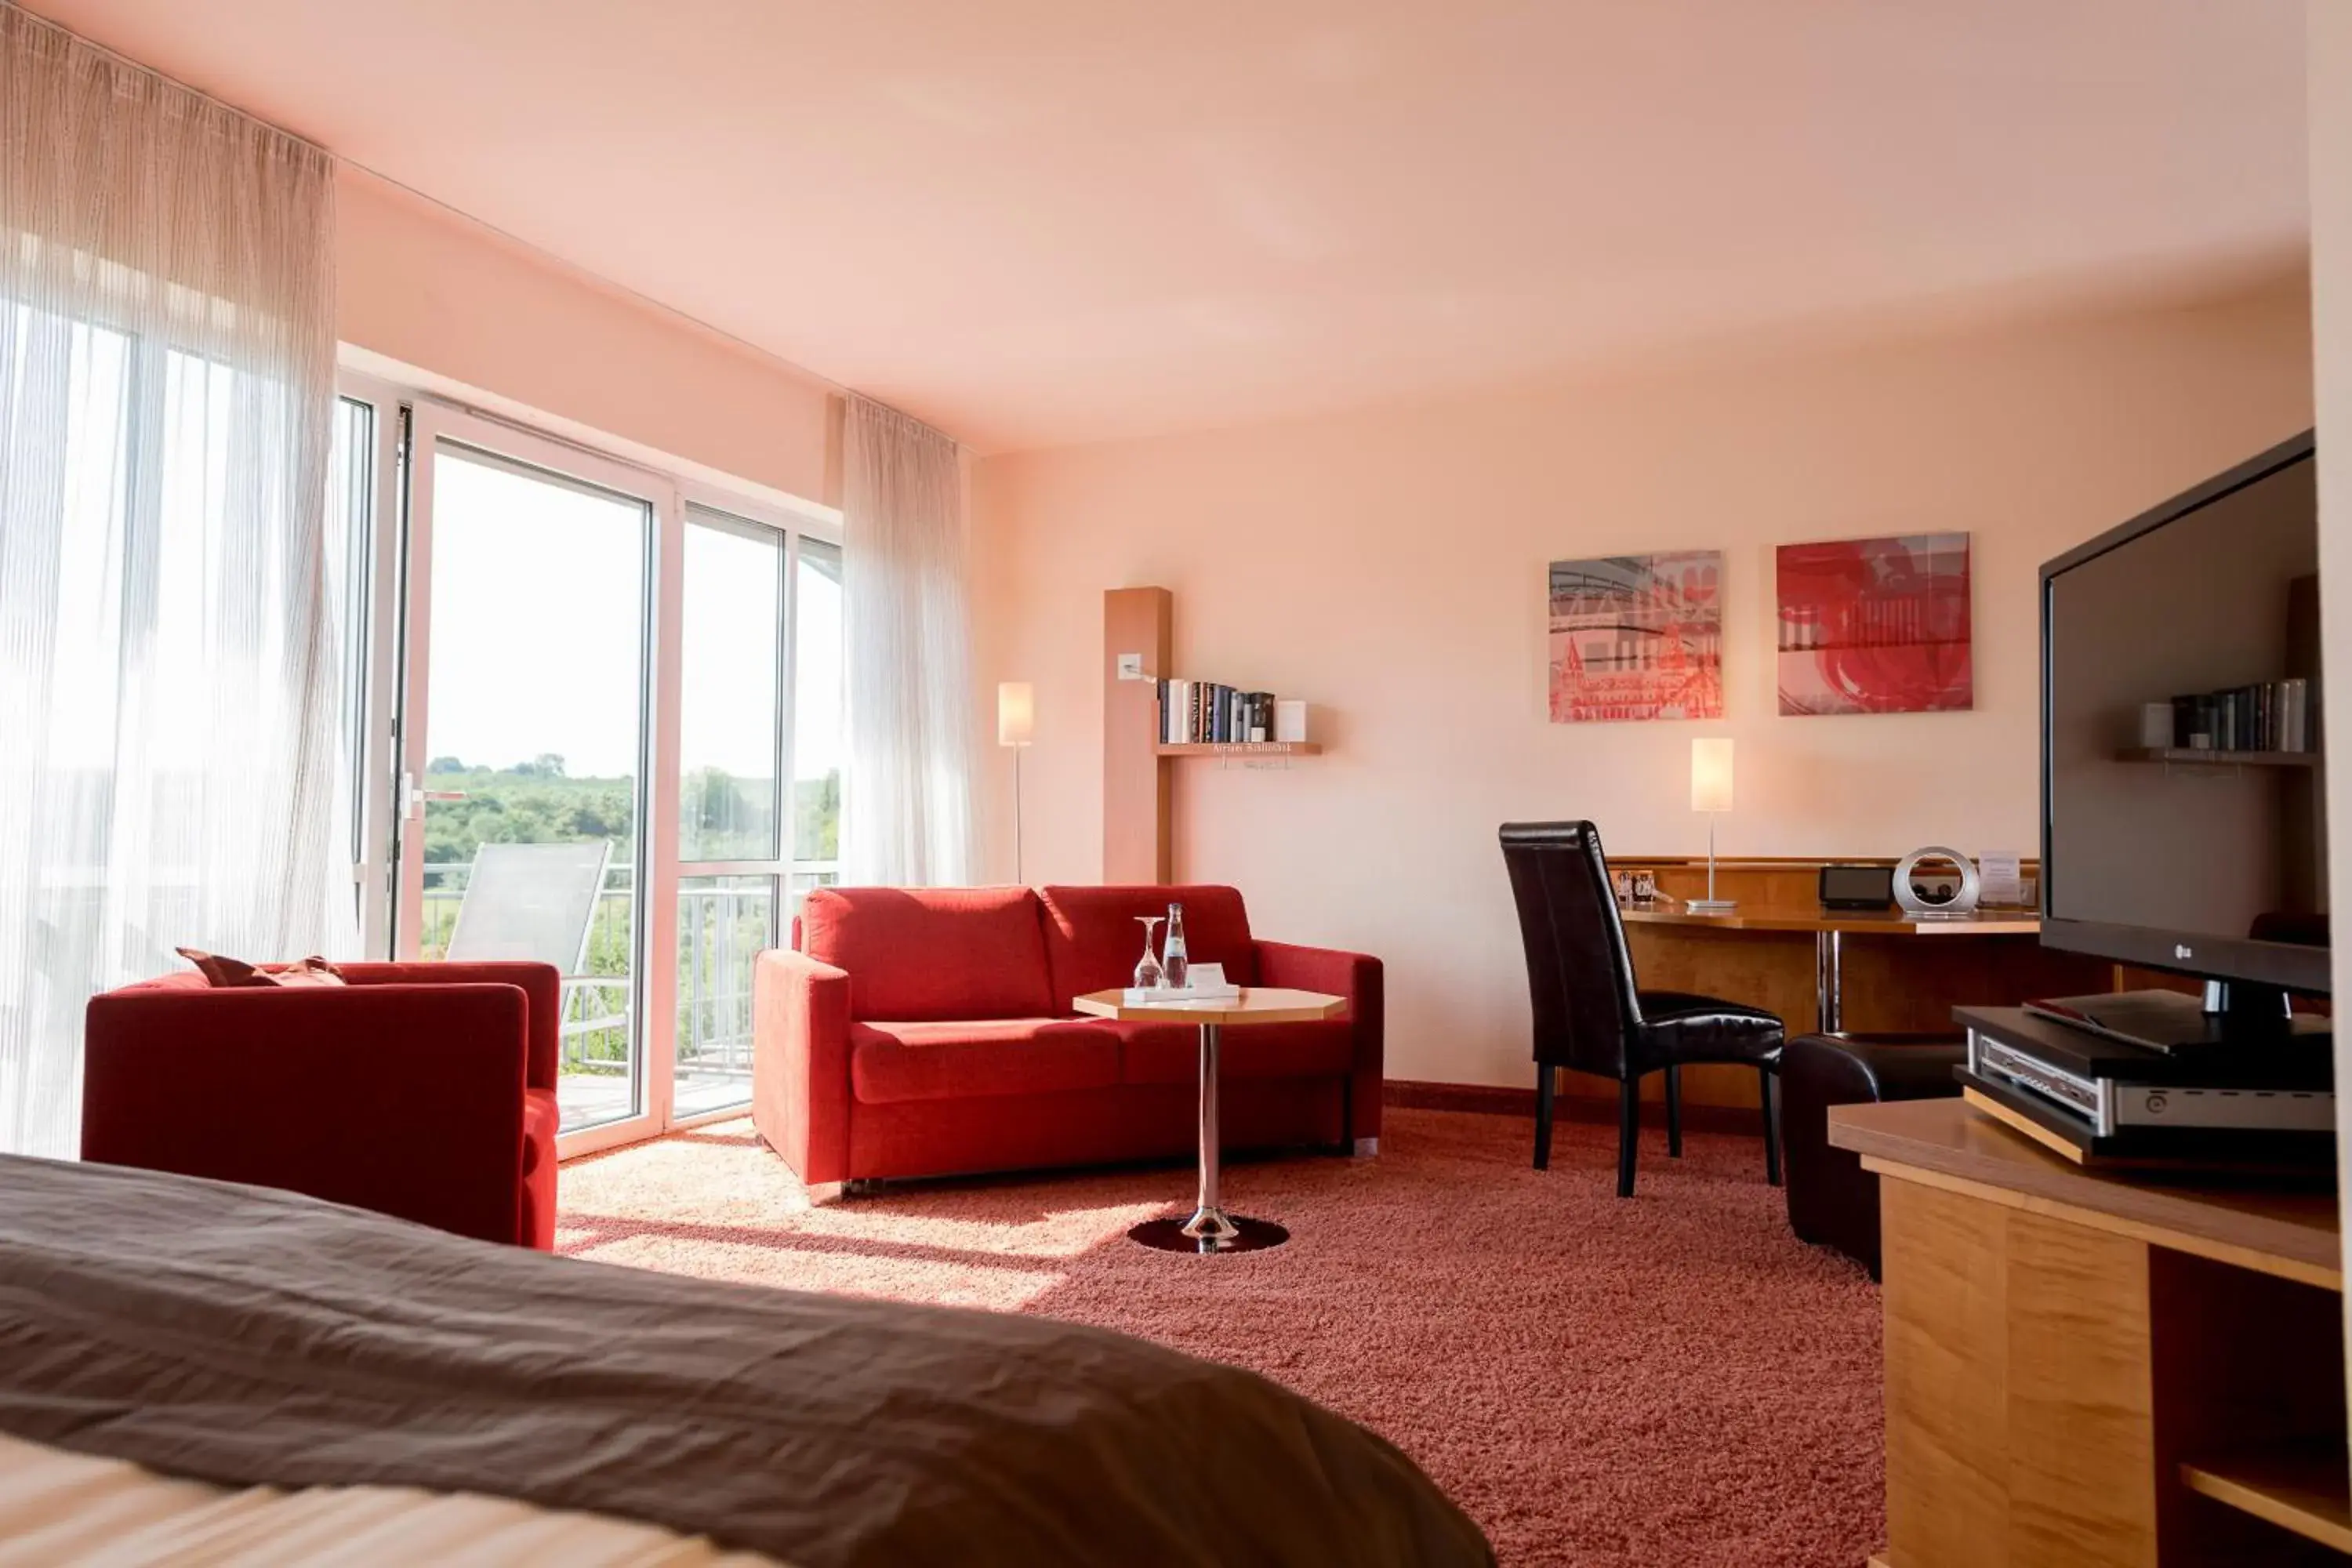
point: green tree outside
(537, 803)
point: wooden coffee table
(1210, 1228)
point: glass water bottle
(1173, 963)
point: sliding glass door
(820, 701)
(605, 710)
(524, 736)
(732, 828)
(759, 704)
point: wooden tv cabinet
(2088, 1367)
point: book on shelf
(1208, 712)
(2266, 716)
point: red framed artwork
(1637, 637)
(1875, 626)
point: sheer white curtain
(168, 680)
(907, 808)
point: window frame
(399, 413)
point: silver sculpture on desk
(1913, 903)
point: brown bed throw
(244, 1336)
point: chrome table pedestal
(1829, 981)
(1210, 1228)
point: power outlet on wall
(1130, 666)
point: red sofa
(421, 1090)
(926, 1032)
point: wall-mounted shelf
(1140, 777)
(2219, 759)
(1244, 749)
(2301, 1489)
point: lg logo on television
(2181, 950)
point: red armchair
(421, 1090)
(922, 1032)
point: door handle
(413, 797)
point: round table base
(1250, 1236)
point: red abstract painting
(1637, 637)
(1875, 626)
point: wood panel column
(1135, 776)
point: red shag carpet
(1671, 1380)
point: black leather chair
(1590, 1015)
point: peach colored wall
(424, 286)
(1388, 565)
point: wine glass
(1147, 973)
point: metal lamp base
(1239, 1235)
(1710, 905)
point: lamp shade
(1711, 775)
(1017, 712)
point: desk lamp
(1711, 793)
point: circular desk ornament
(1924, 905)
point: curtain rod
(590, 273)
(143, 68)
(615, 285)
(640, 296)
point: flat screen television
(2193, 842)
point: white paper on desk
(2000, 879)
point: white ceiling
(1038, 222)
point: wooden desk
(1825, 969)
(1829, 929)
(2086, 1368)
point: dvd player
(2109, 1105)
(2105, 1097)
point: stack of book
(2271, 716)
(1201, 712)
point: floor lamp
(1016, 721)
(1711, 793)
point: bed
(59, 1506)
(237, 1338)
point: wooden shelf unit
(2150, 1372)
(1138, 787)
(2305, 1489)
(1136, 833)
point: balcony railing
(723, 923)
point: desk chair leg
(1629, 1132)
(1675, 1113)
(1771, 1082)
(1546, 1076)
